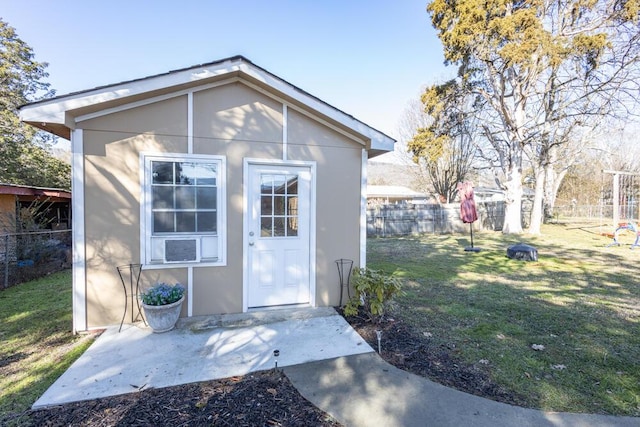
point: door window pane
(266, 205)
(278, 227)
(279, 205)
(292, 227)
(292, 216)
(279, 184)
(266, 228)
(266, 184)
(292, 184)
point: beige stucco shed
(221, 176)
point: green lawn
(581, 301)
(36, 343)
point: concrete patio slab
(201, 349)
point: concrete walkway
(364, 390)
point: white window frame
(148, 241)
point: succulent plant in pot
(162, 304)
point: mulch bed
(415, 353)
(267, 398)
(260, 399)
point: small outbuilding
(223, 177)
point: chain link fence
(27, 256)
(597, 213)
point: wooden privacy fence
(393, 220)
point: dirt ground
(266, 398)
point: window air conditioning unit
(181, 250)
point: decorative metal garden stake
(379, 335)
(276, 353)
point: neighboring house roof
(498, 193)
(21, 190)
(393, 191)
(488, 191)
(58, 115)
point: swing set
(626, 206)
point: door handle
(251, 243)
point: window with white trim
(183, 202)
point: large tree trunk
(551, 190)
(538, 199)
(513, 203)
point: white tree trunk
(538, 199)
(513, 203)
(551, 190)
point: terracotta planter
(162, 318)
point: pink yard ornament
(468, 213)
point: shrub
(373, 290)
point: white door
(278, 235)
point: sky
(367, 58)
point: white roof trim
(55, 110)
(151, 100)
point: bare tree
(616, 148)
(412, 119)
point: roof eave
(381, 144)
(21, 190)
